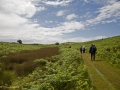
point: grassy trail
(102, 74)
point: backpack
(93, 49)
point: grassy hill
(107, 48)
(62, 71)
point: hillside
(108, 49)
(105, 70)
(60, 67)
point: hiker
(81, 49)
(92, 51)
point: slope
(103, 75)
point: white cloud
(15, 26)
(17, 21)
(65, 27)
(82, 39)
(60, 13)
(106, 12)
(40, 8)
(103, 2)
(11, 20)
(20, 7)
(86, 1)
(71, 16)
(48, 21)
(99, 37)
(15, 17)
(109, 21)
(87, 15)
(72, 25)
(58, 2)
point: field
(60, 67)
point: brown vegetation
(22, 62)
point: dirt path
(102, 74)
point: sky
(51, 21)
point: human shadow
(97, 60)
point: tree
(57, 43)
(19, 41)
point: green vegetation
(52, 67)
(6, 48)
(108, 49)
(13, 63)
(67, 73)
(21, 63)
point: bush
(19, 41)
(57, 43)
(40, 61)
(6, 78)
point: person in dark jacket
(92, 51)
(81, 49)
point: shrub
(40, 61)
(57, 43)
(6, 78)
(19, 41)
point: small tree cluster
(19, 41)
(57, 43)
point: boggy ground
(103, 75)
(22, 62)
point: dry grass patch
(22, 62)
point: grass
(102, 74)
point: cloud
(65, 27)
(57, 2)
(48, 21)
(19, 20)
(40, 8)
(82, 39)
(60, 13)
(17, 25)
(87, 15)
(99, 37)
(106, 12)
(20, 7)
(71, 16)
(86, 1)
(109, 21)
(68, 27)
(103, 2)
(15, 17)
